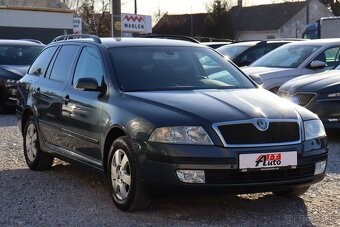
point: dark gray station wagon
(161, 114)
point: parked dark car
(164, 114)
(15, 58)
(319, 93)
(245, 53)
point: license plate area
(267, 161)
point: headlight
(314, 129)
(181, 135)
(10, 83)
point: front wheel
(292, 192)
(126, 184)
(35, 158)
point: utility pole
(307, 11)
(135, 6)
(191, 24)
(116, 18)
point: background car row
(15, 58)
(299, 71)
(272, 62)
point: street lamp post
(135, 6)
(116, 18)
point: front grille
(303, 99)
(248, 134)
(236, 177)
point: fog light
(191, 176)
(320, 167)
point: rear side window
(63, 64)
(40, 65)
(89, 65)
(253, 54)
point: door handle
(66, 99)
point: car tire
(35, 158)
(126, 184)
(293, 192)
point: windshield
(18, 55)
(174, 68)
(232, 51)
(287, 56)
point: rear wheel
(35, 158)
(126, 184)
(292, 192)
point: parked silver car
(295, 59)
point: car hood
(312, 83)
(212, 106)
(13, 71)
(268, 72)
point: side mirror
(87, 84)
(257, 79)
(317, 64)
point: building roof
(51, 4)
(180, 24)
(264, 17)
(252, 18)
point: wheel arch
(24, 117)
(114, 133)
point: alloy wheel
(31, 142)
(120, 174)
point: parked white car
(295, 59)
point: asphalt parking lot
(68, 195)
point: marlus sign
(136, 23)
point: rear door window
(63, 64)
(40, 65)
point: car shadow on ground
(333, 135)
(8, 120)
(333, 165)
(71, 186)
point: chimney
(239, 3)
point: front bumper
(159, 162)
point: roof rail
(32, 40)
(175, 37)
(67, 37)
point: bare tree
(216, 5)
(158, 15)
(218, 24)
(97, 15)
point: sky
(150, 7)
